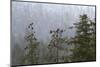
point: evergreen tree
(84, 41)
(31, 56)
(55, 45)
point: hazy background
(45, 17)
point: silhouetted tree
(84, 41)
(55, 45)
(31, 56)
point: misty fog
(45, 17)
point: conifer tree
(84, 40)
(55, 45)
(31, 56)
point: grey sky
(46, 17)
